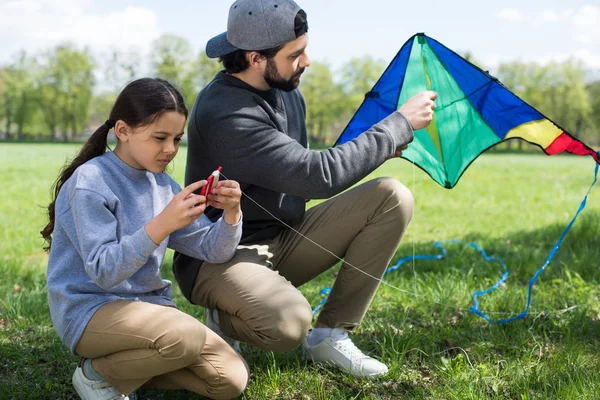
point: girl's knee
(235, 382)
(183, 340)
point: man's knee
(397, 197)
(288, 320)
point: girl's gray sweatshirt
(100, 250)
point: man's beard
(275, 81)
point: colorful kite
(474, 111)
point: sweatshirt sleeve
(202, 239)
(250, 145)
(108, 261)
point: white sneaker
(338, 349)
(213, 326)
(88, 389)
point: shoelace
(106, 385)
(101, 385)
(346, 346)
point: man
(251, 121)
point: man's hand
(398, 152)
(418, 110)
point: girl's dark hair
(236, 62)
(141, 103)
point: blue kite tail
(475, 308)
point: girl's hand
(181, 211)
(226, 196)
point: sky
(494, 32)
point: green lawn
(514, 206)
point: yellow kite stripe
(542, 132)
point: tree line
(61, 93)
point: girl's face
(154, 146)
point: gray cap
(256, 25)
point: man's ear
(122, 131)
(256, 60)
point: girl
(112, 217)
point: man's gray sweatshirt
(260, 140)
(100, 250)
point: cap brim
(219, 46)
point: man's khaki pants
(256, 293)
(134, 344)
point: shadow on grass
(34, 364)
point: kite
(475, 111)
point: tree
(66, 89)
(322, 97)
(557, 90)
(100, 109)
(173, 60)
(51, 99)
(121, 68)
(18, 94)
(572, 100)
(358, 76)
(354, 80)
(4, 116)
(593, 90)
(205, 70)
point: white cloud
(492, 60)
(582, 25)
(588, 59)
(511, 14)
(585, 56)
(36, 25)
(586, 22)
(582, 38)
(591, 60)
(550, 16)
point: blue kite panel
(383, 98)
(501, 109)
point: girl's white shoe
(89, 389)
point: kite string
(414, 246)
(400, 262)
(326, 291)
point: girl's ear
(122, 131)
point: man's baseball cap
(256, 25)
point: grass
(514, 206)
